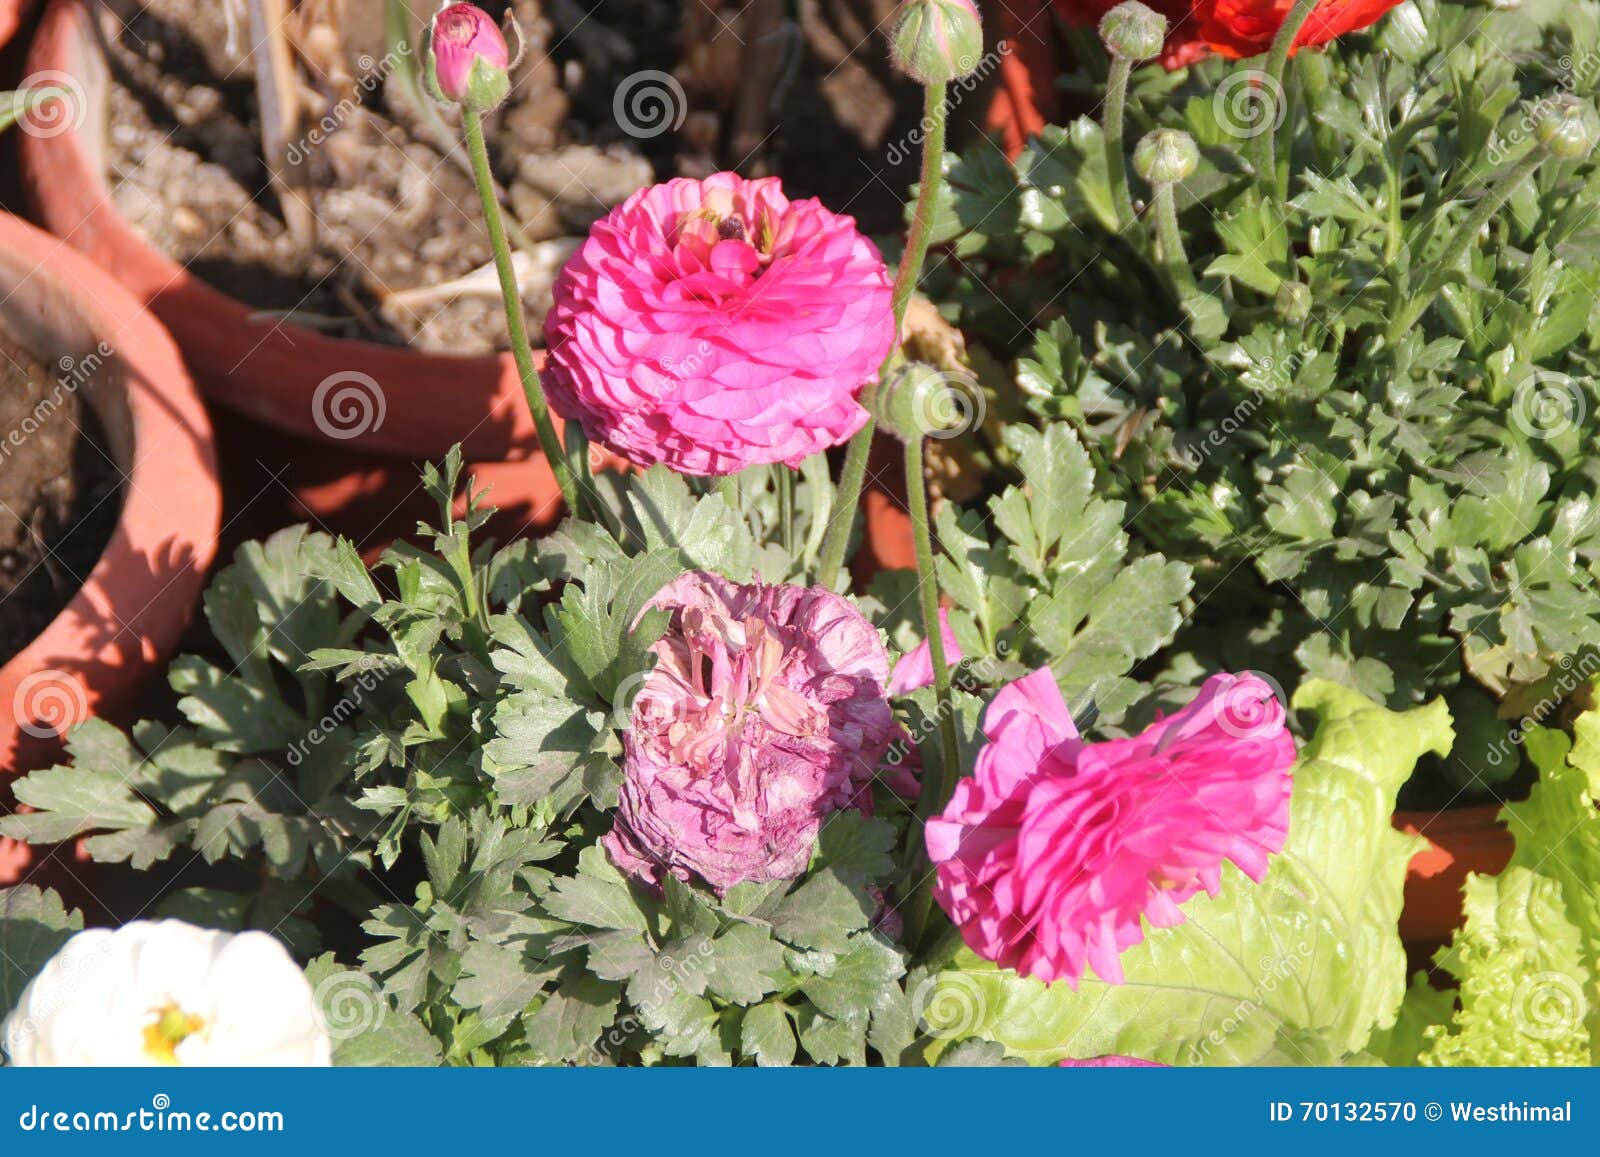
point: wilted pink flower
(915, 668)
(713, 325)
(764, 714)
(463, 35)
(1054, 850)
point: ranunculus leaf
(766, 1034)
(1297, 969)
(34, 924)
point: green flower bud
(1566, 125)
(1166, 156)
(1133, 31)
(937, 41)
(1293, 302)
(917, 400)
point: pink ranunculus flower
(464, 34)
(1111, 1062)
(915, 668)
(1055, 850)
(764, 714)
(714, 325)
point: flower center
(170, 1028)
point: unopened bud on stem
(1166, 156)
(468, 61)
(1133, 31)
(937, 41)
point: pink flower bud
(468, 60)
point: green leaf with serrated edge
(598, 896)
(869, 966)
(367, 1031)
(823, 913)
(571, 1023)
(744, 964)
(851, 843)
(1260, 971)
(766, 1034)
(34, 925)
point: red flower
(1234, 28)
(1238, 28)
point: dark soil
(59, 496)
(813, 100)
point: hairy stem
(478, 151)
(1111, 130)
(905, 283)
(1266, 145)
(1488, 205)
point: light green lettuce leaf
(1528, 952)
(1299, 969)
(1526, 995)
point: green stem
(1313, 69)
(906, 276)
(1266, 152)
(786, 508)
(1111, 130)
(939, 775)
(1488, 205)
(1169, 240)
(937, 787)
(478, 152)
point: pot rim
(149, 575)
(288, 363)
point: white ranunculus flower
(168, 993)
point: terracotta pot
(1024, 100)
(12, 15)
(887, 542)
(1470, 839)
(284, 375)
(131, 611)
(271, 479)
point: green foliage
(1056, 586)
(33, 926)
(414, 764)
(1408, 512)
